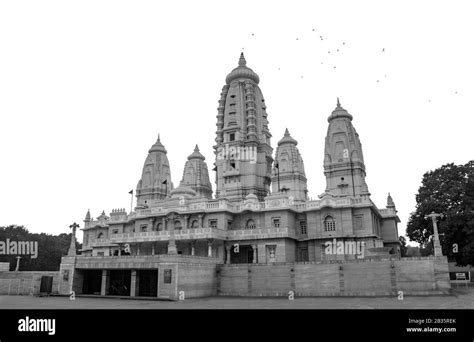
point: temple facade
(260, 212)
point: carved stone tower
(196, 175)
(243, 150)
(288, 172)
(343, 159)
(156, 177)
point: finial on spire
(287, 133)
(242, 61)
(390, 203)
(158, 137)
(196, 149)
(338, 103)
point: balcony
(262, 233)
(181, 234)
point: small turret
(88, 216)
(155, 182)
(344, 166)
(288, 172)
(195, 181)
(390, 203)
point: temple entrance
(120, 282)
(92, 282)
(244, 255)
(303, 254)
(147, 283)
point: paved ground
(461, 299)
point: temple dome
(339, 112)
(287, 139)
(196, 154)
(157, 146)
(242, 71)
(183, 190)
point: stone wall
(25, 283)
(197, 280)
(386, 277)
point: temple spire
(242, 61)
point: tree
(448, 190)
(403, 246)
(50, 248)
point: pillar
(254, 247)
(104, 287)
(17, 268)
(163, 223)
(172, 243)
(153, 248)
(227, 249)
(185, 221)
(200, 219)
(437, 246)
(209, 248)
(133, 284)
(193, 243)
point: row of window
(329, 225)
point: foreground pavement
(460, 299)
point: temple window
(143, 228)
(303, 228)
(213, 224)
(276, 222)
(329, 224)
(177, 225)
(194, 224)
(250, 224)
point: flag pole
(131, 200)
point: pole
(436, 245)
(131, 201)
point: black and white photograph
(239, 163)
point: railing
(262, 233)
(233, 207)
(196, 233)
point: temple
(259, 214)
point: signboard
(461, 276)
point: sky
(87, 86)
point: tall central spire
(243, 150)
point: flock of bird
(338, 50)
(334, 51)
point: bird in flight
(321, 37)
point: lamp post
(437, 245)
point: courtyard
(461, 298)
